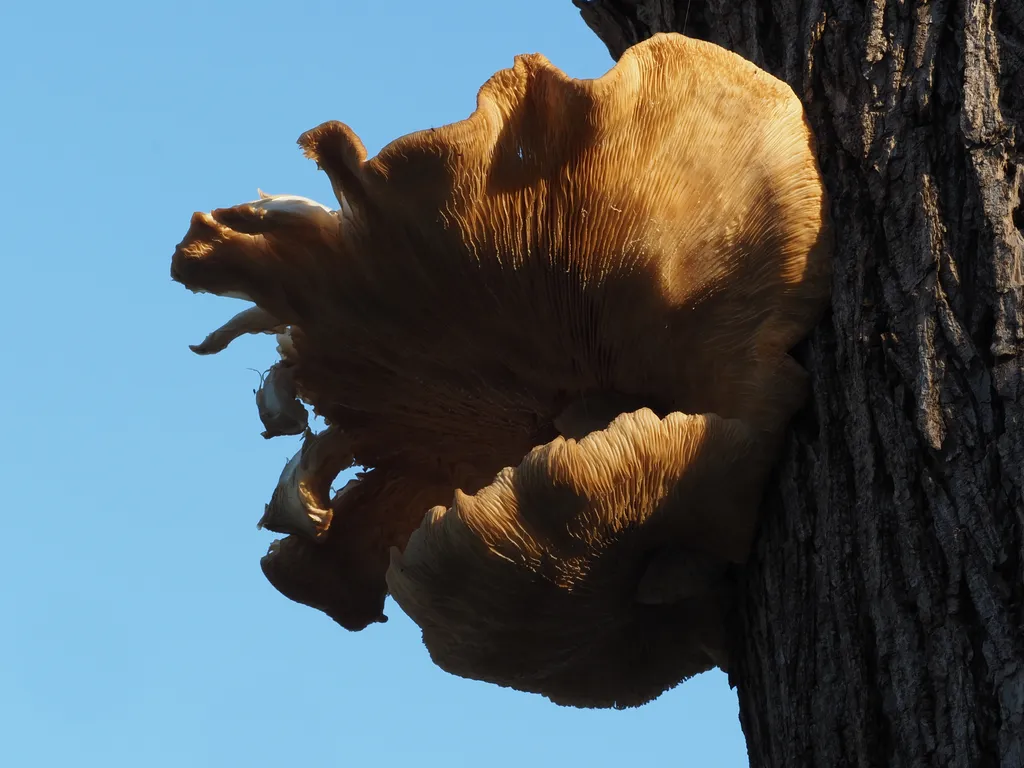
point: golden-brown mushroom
(535, 582)
(342, 572)
(572, 251)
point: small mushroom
(277, 400)
(301, 502)
(574, 250)
(252, 320)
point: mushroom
(535, 581)
(301, 502)
(277, 400)
(342, 573)
(252, 320)
(613, 270)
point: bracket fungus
(571, 313)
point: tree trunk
(881, 613)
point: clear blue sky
(135, 626)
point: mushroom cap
(534, 582)
(301, 502)
(658, 235)
(342, 573)
(277, 401)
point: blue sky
(137, 629)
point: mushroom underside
(597, 571)
(513, 286)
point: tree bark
(880, 619)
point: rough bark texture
(881, 614)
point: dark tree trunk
(881, 617)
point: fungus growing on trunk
(593, 282)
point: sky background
(136, 628)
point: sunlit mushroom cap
(656, 236)
(533, 581)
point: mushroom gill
(574, 250)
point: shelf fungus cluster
(556, 335)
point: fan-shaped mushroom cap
(533, 582)
(655, 236)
